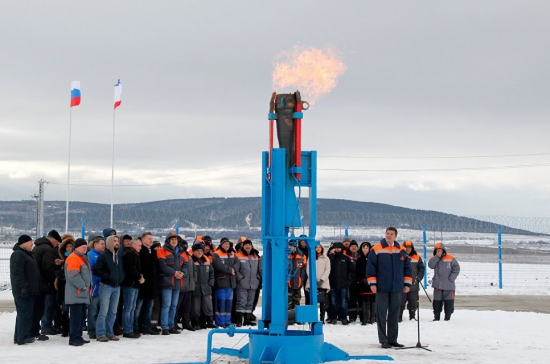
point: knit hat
(247, 241)
(223, 240)
(337, 245)
(197, 246)
(79, 242)
(54, 234)
(353, 242)
(155, 244)
(24, 239)
(172, 234)
(126, 237)
(207, 239)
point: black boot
(210, 323)
(449, 308)
(365, 313)
(248, 319)
(322, 312)
(65, 324)
(412, 314)
(239, 319)
(438, 306)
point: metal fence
(524, 267)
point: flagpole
(68, 170)
(113, 168)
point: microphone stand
(418, 344)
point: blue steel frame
(274, 342)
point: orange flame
(313, 71)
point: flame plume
(313, 71)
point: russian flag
(118, 93)
(75, 93)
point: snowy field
(470, 337)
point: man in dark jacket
(174, 267)
(25, 285)
(109, 269)
(411, 299)
(342, 272)
(201, 295)
(130, 286)
(48, 261)
(389, 275)
(225, 266)
(297, 266)
(146, 294)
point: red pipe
(298, 137)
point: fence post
(424, 228)
(83, 230)
(177, 225)
(500, 229)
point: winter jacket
(172, 260)
(43, 253)
(109, 265)
(446, 270)
(205, 276)
(249, 274)
(190, 282)
(24, 273)
(322, 272)
(223, 262)
(388, 268)
(132, 268)
(361, 274)
(78, 278)
(342, 271)
(354, 284)
(92, 259)
(418, 267)
(149, 264)
(298, 266)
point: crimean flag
(118, 93)
(75, 93)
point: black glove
(320, 283)
(24, 292)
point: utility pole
(40, 209)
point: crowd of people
(115, 286)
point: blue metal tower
(282, 175)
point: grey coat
(79, 279)
(446, 269)
(249, 274)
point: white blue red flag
(75, 93)
(118, 93)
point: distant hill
(228, 213)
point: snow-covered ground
(470, 337)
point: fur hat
(198, 246)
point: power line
(435, 157)
(438, 169)
(162, 184)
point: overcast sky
(443, 106)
